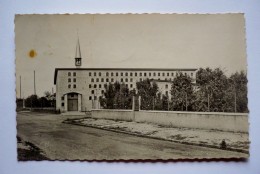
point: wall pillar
(79, 102)
(66, 102)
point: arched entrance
(72, 102)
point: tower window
(95, 73)
(89, 85)
(99, 73)
(89, 73)
(95, 85)
(74, 86)
(74, 74)
(69, 86)
(99, 85)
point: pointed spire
(78, 52)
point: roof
(121, 69)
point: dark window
(131, 74)
(122, 74)
(74, 86)
(74, 74)
(122, 80)
(102, 80)
(185, 74)
(191, 74)
(69, 86)
(97, 80)
(166, 86)
(154, 74)
(145, 74)
(131, 80)
(172, 74)
(92, 80)
(95, 97)
(163, 74)
(140, 74)
(150, 74)
(95, 73)
(135, 74)
(131, 85)
(90, 98)
(126, 74)
(89, 85)
(126, 80)
(74, 80)
(107, 74)
(102, 91)
(159, 74)
(89, 73)
(112, 74)
(62, 98)
(112, 80)
(72, 95)
(167, 74)
(69, 80)
(127, 85)
(69, 73)
(166, 92)
(62, 104)
(107, 80)
(105, 85)
(99, 86)
(117, 74)
(99, 73)
(92, 92)
(95, 85)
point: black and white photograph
(131, 87)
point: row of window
(121, 80)
(69, 79)
(74, 73)
(135, 74)
(70, 86)
(105, 85)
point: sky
(46, 42)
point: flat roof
(121, 69)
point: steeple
(78, 55)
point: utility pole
(34, 82)
(20, 88)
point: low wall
(236, 122)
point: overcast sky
(120, 41)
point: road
(61, 141)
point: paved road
(63, 141)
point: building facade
(79, 89)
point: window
(107, 74)
(62, 98)
(126, 74)
(102, 80)
(95, 97)
(97, 80)
(112, 74)
(112, 80)
(154, 74)
(74, 80)
(166, 86)
(69, 86)
(95, 85)
(172, 74)
(105, 85)
(99, 73)
(127, 85)
(69, 73)
(90, 98)
(92, 80)
(135, 74)
(72, 95)
(62, 104)
(191, 74)
(140, 74)
(74, 74)
(122, 74)
(163, 74)
(89, 85)
(95, 73)
(131, 74)
(69, 80)
(159, 74)
(74, 86)
(166, 92)
(170, 79)
(89, 73)
(99, 86)
(107, 80)
(122, 80)
(145, 74)
(150, 74)
(131, 80)
(92, 92)
(168, 74)
(131, 85)
(102, 91)
(117, 74)
(126, 80)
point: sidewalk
(209, 138)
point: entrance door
(72, 102)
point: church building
(79, 89)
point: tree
(147, 90)
(32, 101)
(182, 93)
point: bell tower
(78, 56)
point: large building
(79, 89)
